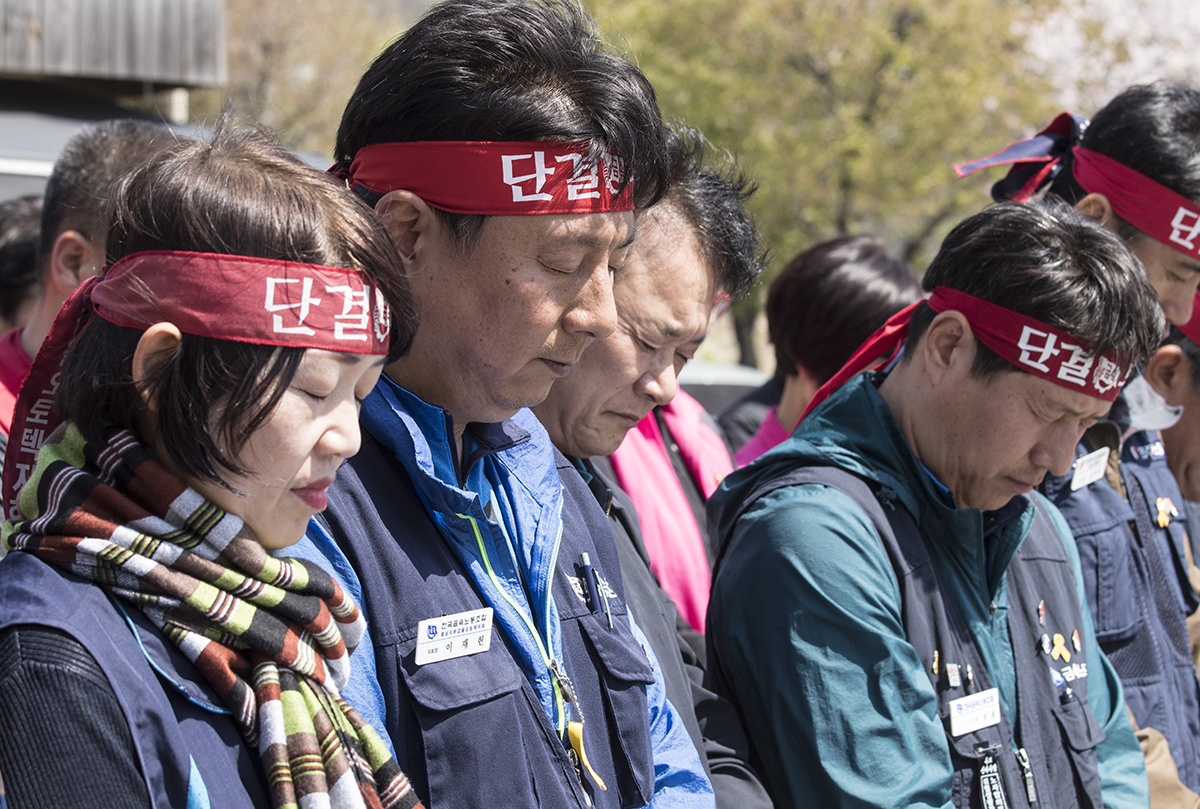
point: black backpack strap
(861, 491)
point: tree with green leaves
(849, 113)
(293, 65)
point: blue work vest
(189, 749)
(1135, 578)
(471, 731)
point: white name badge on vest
(1090, 468)
(974, 712)
(451, 636)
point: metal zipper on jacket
(1030, 789)
(557, 678)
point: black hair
(830, 298)
(79, 192)
(712, 201)
(241, 194)
(20, 224)
(1153, 129)
(508, 70)
(1047, 262)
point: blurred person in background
(20, 223)
(74, 225)
(824, 304)
(741, 420)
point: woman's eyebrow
(348, 358)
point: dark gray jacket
(711, 720)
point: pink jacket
(677, 550)
(770, 433)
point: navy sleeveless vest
(1052, 761)
(470, 731)
(1135, 578)
(189, 749)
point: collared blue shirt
(514, 533)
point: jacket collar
(856, 430)
(421, 436)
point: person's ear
(156, 346)
(73, 259)
(1097, 206)
(1169, 372)
(409, 221)
(948, 345)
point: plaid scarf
(271, 636)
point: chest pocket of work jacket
(1082, 733)
(486, 698)
(1114, 570)
(476, 697)
(625, 672)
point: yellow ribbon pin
(1061, 652)
(575, 735)
(1166, 510)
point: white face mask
(1147, 409)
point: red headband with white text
(1154, 209)
(494, 178)
(246, 300)
(1028, 344)
(236, 298)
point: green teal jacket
(808, 629)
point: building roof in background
(162, 43)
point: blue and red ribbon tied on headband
(1034, 160)
(1162, 214)
(1158, 211)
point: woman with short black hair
(205, 389)
(821, 307)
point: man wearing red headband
(896, 612)
(505, 148)
(695, 249)
(73, 231)
(1134, 167)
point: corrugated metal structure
(140, 43)
(66, 63)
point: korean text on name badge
(974, 712)
(451, 636)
